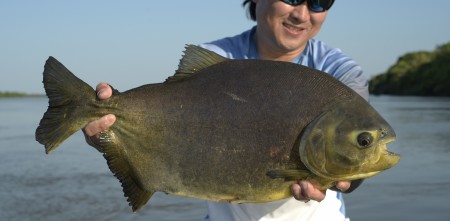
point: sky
(136, 42)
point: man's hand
(93, 128)
(305, 191)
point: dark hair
(251, 9)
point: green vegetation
(8, 94)
(420, 73)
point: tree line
(422, 73)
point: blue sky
(130, 43)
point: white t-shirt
(289, 209)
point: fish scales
(213, 133)
(208, 140)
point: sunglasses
(313, 5)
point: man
(284, 32)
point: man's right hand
(92, 129)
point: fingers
(343, 186)
(104, 91)
(97, 126)
(92, 129)
(305, 191)
(297, 192)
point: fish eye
(365, 139)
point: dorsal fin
(195, 58)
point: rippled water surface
(74, 183)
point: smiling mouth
(292, 28)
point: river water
(74, 182)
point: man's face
(285, 28)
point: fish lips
(388, 159)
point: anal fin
(119, 166)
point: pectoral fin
(117, 163)
(289, 174)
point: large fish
(224, 130)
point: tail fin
(68, 102)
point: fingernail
(100, 93)
(340, 187)
(304, 185)
(295, 188)
(110, 119)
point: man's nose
(300, 12)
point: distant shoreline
(421, 73)
(10, 94)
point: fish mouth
(385, 149)
(387, 158)
(391, 153)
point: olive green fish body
(223, 130)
